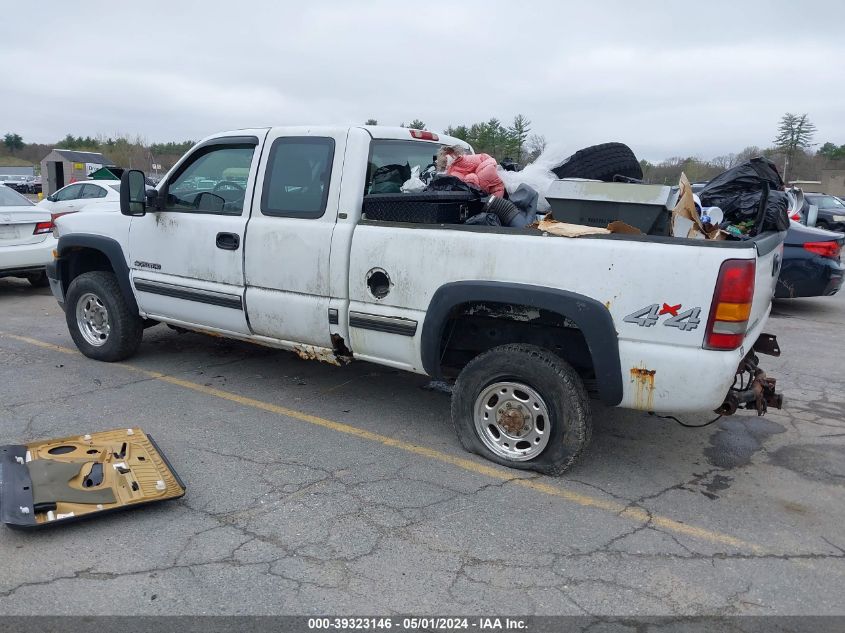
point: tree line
(513, 141)
(792, 149)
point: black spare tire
(601, 162)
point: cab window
(213, 181)
(391, 162)
(296, 183)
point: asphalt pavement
(314, 489)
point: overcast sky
(668, 78)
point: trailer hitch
(752, 387)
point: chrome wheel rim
(92, 319)
(512, 420)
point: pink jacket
(478, 170)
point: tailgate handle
(228, 241)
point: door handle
(228, 241)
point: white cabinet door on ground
(187, 259)
(290, 233)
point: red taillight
(425, 135)
(825, 249)
(731, 305)
(43, 227)
(796, 217)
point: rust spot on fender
(644, 380)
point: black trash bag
(484, 219)
(525, 197)
(739, 190)
(453, 183)
(509, 164)
(390, 178)
(777, 209)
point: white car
(88, 195)
(26, 238)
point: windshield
(11, 198)
(826, 202)
(404, 155)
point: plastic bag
(537, 175)
(413, 184)
(739, 190)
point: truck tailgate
(769, 248)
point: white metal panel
(625, 275)
(288, 258)
(180, 248)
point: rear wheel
(38, 280)
(99, 320)
(523, 407)
(601, 162)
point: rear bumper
(679, 379)
(26, 258)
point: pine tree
(795, 133)
(518, 135)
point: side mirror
(812, 215)
(51, 197)
(133, 193)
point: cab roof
(375, 131)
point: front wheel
(523, 407)
(99, 320)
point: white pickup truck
(258, 235)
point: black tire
(38, 280)
(126, 328)
(601, 162)
(559, 386)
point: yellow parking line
(628, 512)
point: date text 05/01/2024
(417, 623)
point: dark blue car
(811, 263)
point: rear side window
(73, 192)
(391, 162)
(299, 171)
(93, 191)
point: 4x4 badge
(648, 316)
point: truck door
(186, 260)
(290, 234)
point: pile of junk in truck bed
(597, 190)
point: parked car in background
(811, 264)
(33, 185)
(831, 211)
(26, 238)
(16, 182)
(89, 195)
